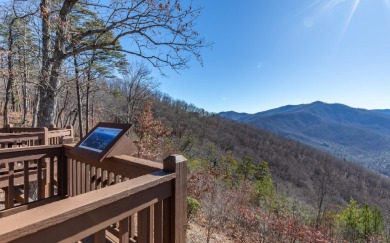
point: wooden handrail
(99, 199)
(75, 218)
(29, 153)
(21, 136)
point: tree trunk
(79, 107)
(50, 71)
(75, 119)
(93, 112)
(35, 109)
(61, 111)
(23, 66)
(89, 80)
(11, 77)
(24, 89)
(87, 104)
(46, 95)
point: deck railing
(11, 137)
(121, 199)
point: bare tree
(13, 15)
(138, 86)
(323, 183)
(161, 32)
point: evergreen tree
(358, 224)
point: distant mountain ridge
(351, 133)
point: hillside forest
(80, 62)
(355, 134)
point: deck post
(45, 136)
(177, 164)
(7, 128)
(71, 131)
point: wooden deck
(51, 196)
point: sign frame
(120, 144)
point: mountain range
(350, 133)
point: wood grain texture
(177, 163)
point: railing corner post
(177, 164)
(7, 128)
(71, 131)
(63, 169)
(45, 136)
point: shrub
(193, 208)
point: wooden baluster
(104, 178)
(158, 222)
(87, 178)
(145, 226)
(26, 185)
(62, 176)
(74, 181)
(83, 178)
(99, 181)
(93, 178)
(124, 233)
(110, 180)
(132, 226)
(117, 179)
(46, 182)
(100, 236)
(70, 177)
(10, 195)
(78, 179)
(51, 177)
(40, 182)
(167, 220)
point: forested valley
(63, 64)
(262, 186)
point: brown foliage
(314, 178)
(230, 211)
(151, 134)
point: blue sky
(270, 53)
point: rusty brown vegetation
(70, 69)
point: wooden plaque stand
(120, 145)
